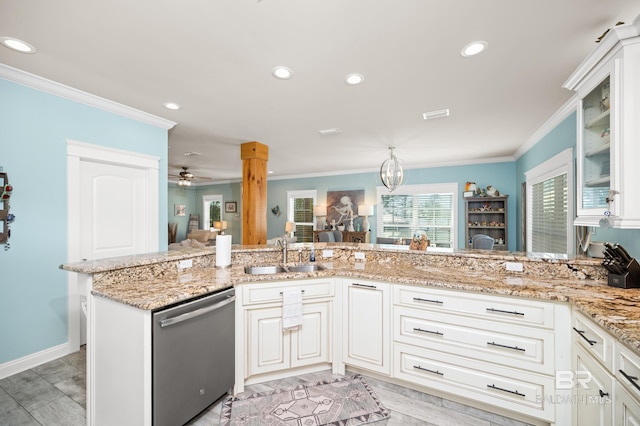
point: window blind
(549, 215)
(404, 214)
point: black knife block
(630, 279)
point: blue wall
(33, 128)
(500, 175)
(564, 136)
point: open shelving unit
(488, 216)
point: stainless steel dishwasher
(193, 356)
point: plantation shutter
(549, 215)
(404, 214)
(303, 219)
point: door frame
(76, 153)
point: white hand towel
(291, 309)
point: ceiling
(215, 58)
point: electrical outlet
(186, 263)
(514, 266)
(327, 253)
(359, 255)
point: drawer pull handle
(427, 370)
(506, 390)
(581, 333)
(515, 348)
(602, 394)
(427, 331)
(364, 285)
(301, 291)
(419, 299)
(631, 379)
(500, 311)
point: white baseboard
(33, 360)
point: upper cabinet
(608, 145)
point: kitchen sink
(276, 269)
(306, 267)
(270, 269)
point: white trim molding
(33, 360)
(40, 83)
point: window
(211, 210)
(300, 212)
(431, 208)
(549, 212)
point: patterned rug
(346, 401)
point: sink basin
(270, 269)
(276, 269)
(307, 267)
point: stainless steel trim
(189, 315)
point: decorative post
(254, 157)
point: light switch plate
(359, 255)
(185, 263)
(327, 253)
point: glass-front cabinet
(608, 131)
(594, 151)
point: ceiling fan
(185, 176)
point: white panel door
(366, 318)
(114, 209)
(310, 342)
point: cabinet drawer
(525, 393)
(595, 340)
(271, 292)
(494, 308)
(628, 370)
(513, 346)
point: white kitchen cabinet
(270, 352)
(365, 318)
(500, 352)
(608, 130)
(272, 349)
(627, 370)
(627, 409)
(605, 388)
(593, 391)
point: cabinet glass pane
(596, 140)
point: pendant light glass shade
(391, 172)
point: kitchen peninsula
(535, 310)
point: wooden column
(254, 157)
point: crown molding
(558, 117)
(40, 83)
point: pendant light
(391, 171)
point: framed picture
(180, 209)
(343, 205)
(231, 207)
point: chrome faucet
(283, 244)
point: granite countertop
(617, 310)
(152, 281)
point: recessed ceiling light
(17, 45)
(332, 131)
(171, 105)
(191, 154)
(270, 172)
(436, 114)
(282, 73)
(354, 79)
(474, 48)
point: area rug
(346, 401)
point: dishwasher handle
(189, 315)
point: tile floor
(53, 394)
